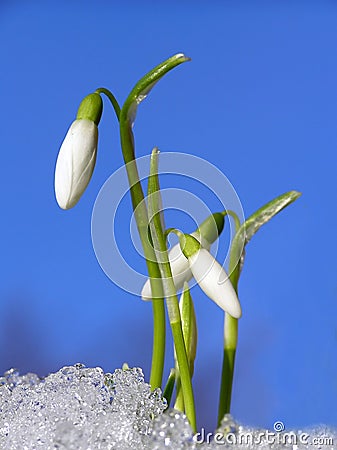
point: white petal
(214, 281)
(180, 273)
(75, 162)
(180, 268)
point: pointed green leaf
(269, 210)
(145, 84)
(254, 223)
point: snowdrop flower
(77, 155)
(211, 276)
(206, 234)
(181, 271)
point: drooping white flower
(207, 232)
(214, 281)
(180, 268)
(75, 162)
(77, 155)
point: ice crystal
(86, 409)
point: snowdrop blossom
(75, 162)
(210, 276)
(214, 281)
(208, 231)
(77, 155)
(180, 268)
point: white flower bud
(214, 281)
(75, 162)
(181, 271)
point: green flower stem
(184, 371)
(159, 243)
(228, 362)
(190, 334)
(112, 99)
(242, 236)
(234, 216)
(158, 307)
(126, 118)
(159, 338)
(141, 216)
(230, 329)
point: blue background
(258, 100)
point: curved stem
(112, 99)
(234, 216)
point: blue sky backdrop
(259, 101)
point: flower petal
(214, 281)
(75, 162)
(181, 271)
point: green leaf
(252, 226)
(145, 84)
(264, 214)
